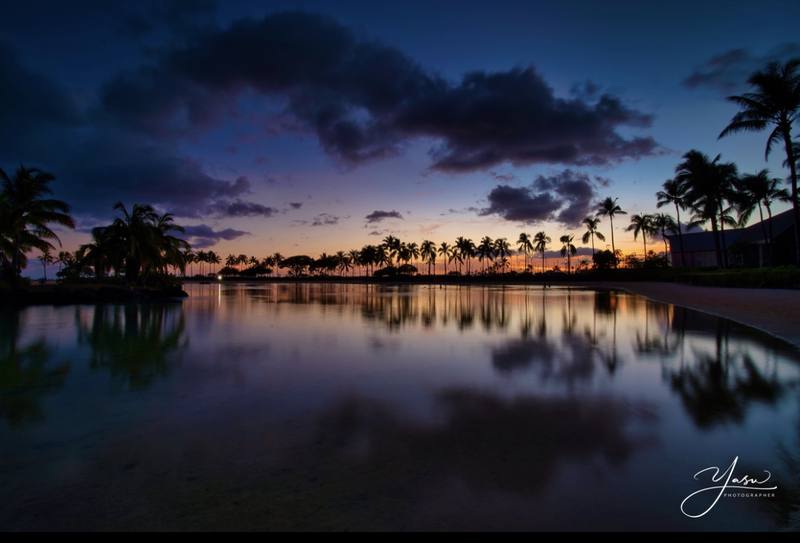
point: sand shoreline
(774, 311)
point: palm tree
(46, 258)
(146, 240)
(525, 246)
(591, 231)
(64, 259)
(413, 251)
(486, 250)
(382, 256)
(169, 248)
(466, 250)
(774, 103)
(355, 259)
(707, 184)
(674, 193)
(759, 191)
(277, 258)
(26, 213)
(540, 241)
(392, 245)
(200, 257)
(609, 208)
(444, 251)
(104, 252)
(213, 258)
(661, 223)
(428, 253)
(568, 249)
(642, 224)
(502, 249)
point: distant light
(219, 278)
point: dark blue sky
(461, 117)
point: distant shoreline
(87, 293)
(784, 277)
(775, 311)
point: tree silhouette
(591, 231)
(609, 208)
(773, 103)
(26, 215)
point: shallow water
(313, 406)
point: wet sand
(775, 311)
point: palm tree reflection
(135, 343)
(26, 375)
(718, 386)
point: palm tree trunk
(764, 229)
(787, 141)
(769, 229)
(542, 261)
(592, 236)
(680, 234)
(613, 247)
(722, 237)
(715, 229)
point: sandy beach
(775, 311)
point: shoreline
(773, 311)
(90, 293)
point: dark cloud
(30, 105)
(119, 166)
(201, 236)
(514, 117)
(97, 163)
(325, 219)
(181, 17)
(728, 72)
(241, 208)
(565, 197)
(520, 204)
(505, 177)
(378, 216)
(575, 189)
(364, 99)
(296, 205)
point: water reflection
(27, 373)
(136, 344)
(719, 384)
(372, 406)
(482, 440)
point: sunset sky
(303, 127)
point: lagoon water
(331, 406)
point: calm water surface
(364, 406)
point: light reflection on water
(368, 406)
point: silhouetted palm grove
(141, 244)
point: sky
(303, 127)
